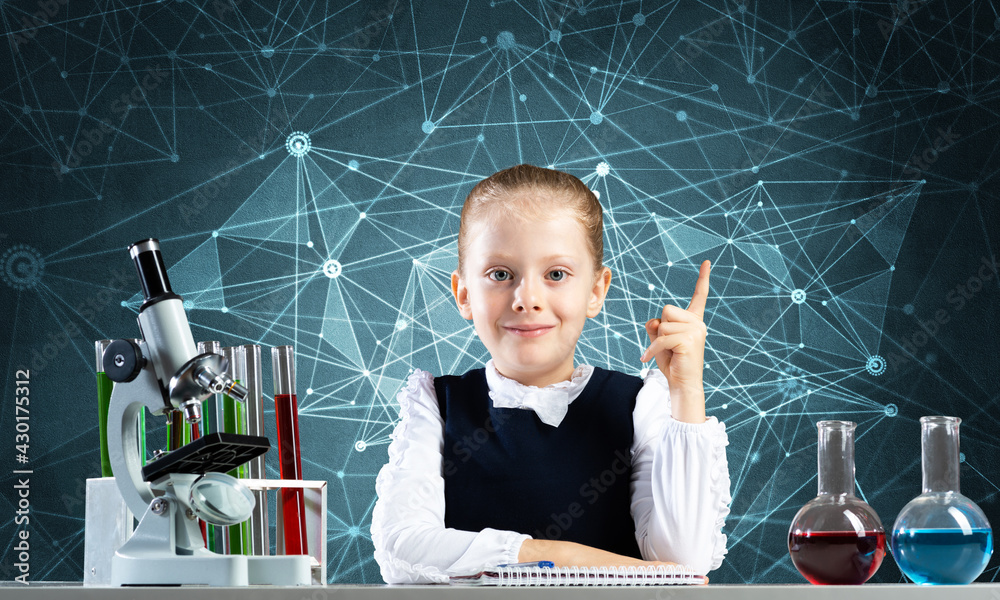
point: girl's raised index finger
(700, 296)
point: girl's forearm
(570, 554)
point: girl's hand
(678, 344)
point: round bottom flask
(941, 537)
(836, 538)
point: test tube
(293, 507)
(258, 534)
(104, 388)
(209, 424)
(232, 422)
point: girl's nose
(526, 296)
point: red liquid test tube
(289, 453)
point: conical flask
(836, 538)
(941, 537)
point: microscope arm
(128, 400)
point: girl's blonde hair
(494, 198)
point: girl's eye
(500, 275)
(558, 275)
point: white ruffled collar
(550, 403)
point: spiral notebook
(582, 576)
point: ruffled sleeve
(412, 544)
(680, 482)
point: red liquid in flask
(837, 557)
(290, 461)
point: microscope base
(166, 549)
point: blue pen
(546, 564)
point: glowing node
(480, 137)
(427, 126)
(522, 97)
(961, 457)
(309, 244)
(751, 79)
(332, 268)
(891, 410)
(225, 309)
(21, 267)
(271, 92)
(366, 372)
(763, 413)
(298, 143)
(267, 51)
(729, 241)
(759, 204)
(798, 296)
(715, 87)
(682, 115)
(376, 58)
(638, 19)
(908, 309)
(875, 365)
(340, 474)
(309, 391)
(871, 91)
(360, 445)
(651, 287)
(555, 36)
(505, 40)
(593, 70)
(483, 40)
(401, 324)
(188, 304)
(943, 87)
(596, 117)
(362, 215)
(603, 169)
(755, 169)
(321, 47)
(174, 158)
(801, 345)
(352, 165)
(725, 406)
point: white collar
(550, 403)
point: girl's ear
(601, 285)
(461, 293)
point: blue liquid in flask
(942, 556)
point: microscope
(163, 373)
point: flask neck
(836, 459)
(939, 450)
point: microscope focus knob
(123, 361)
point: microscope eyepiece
(152, 272)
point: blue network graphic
(304, 168)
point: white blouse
(680, 483)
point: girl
(532, 458)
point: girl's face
(528, 288)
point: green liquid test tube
(210, 424)
(104, 388)
(232, 422)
